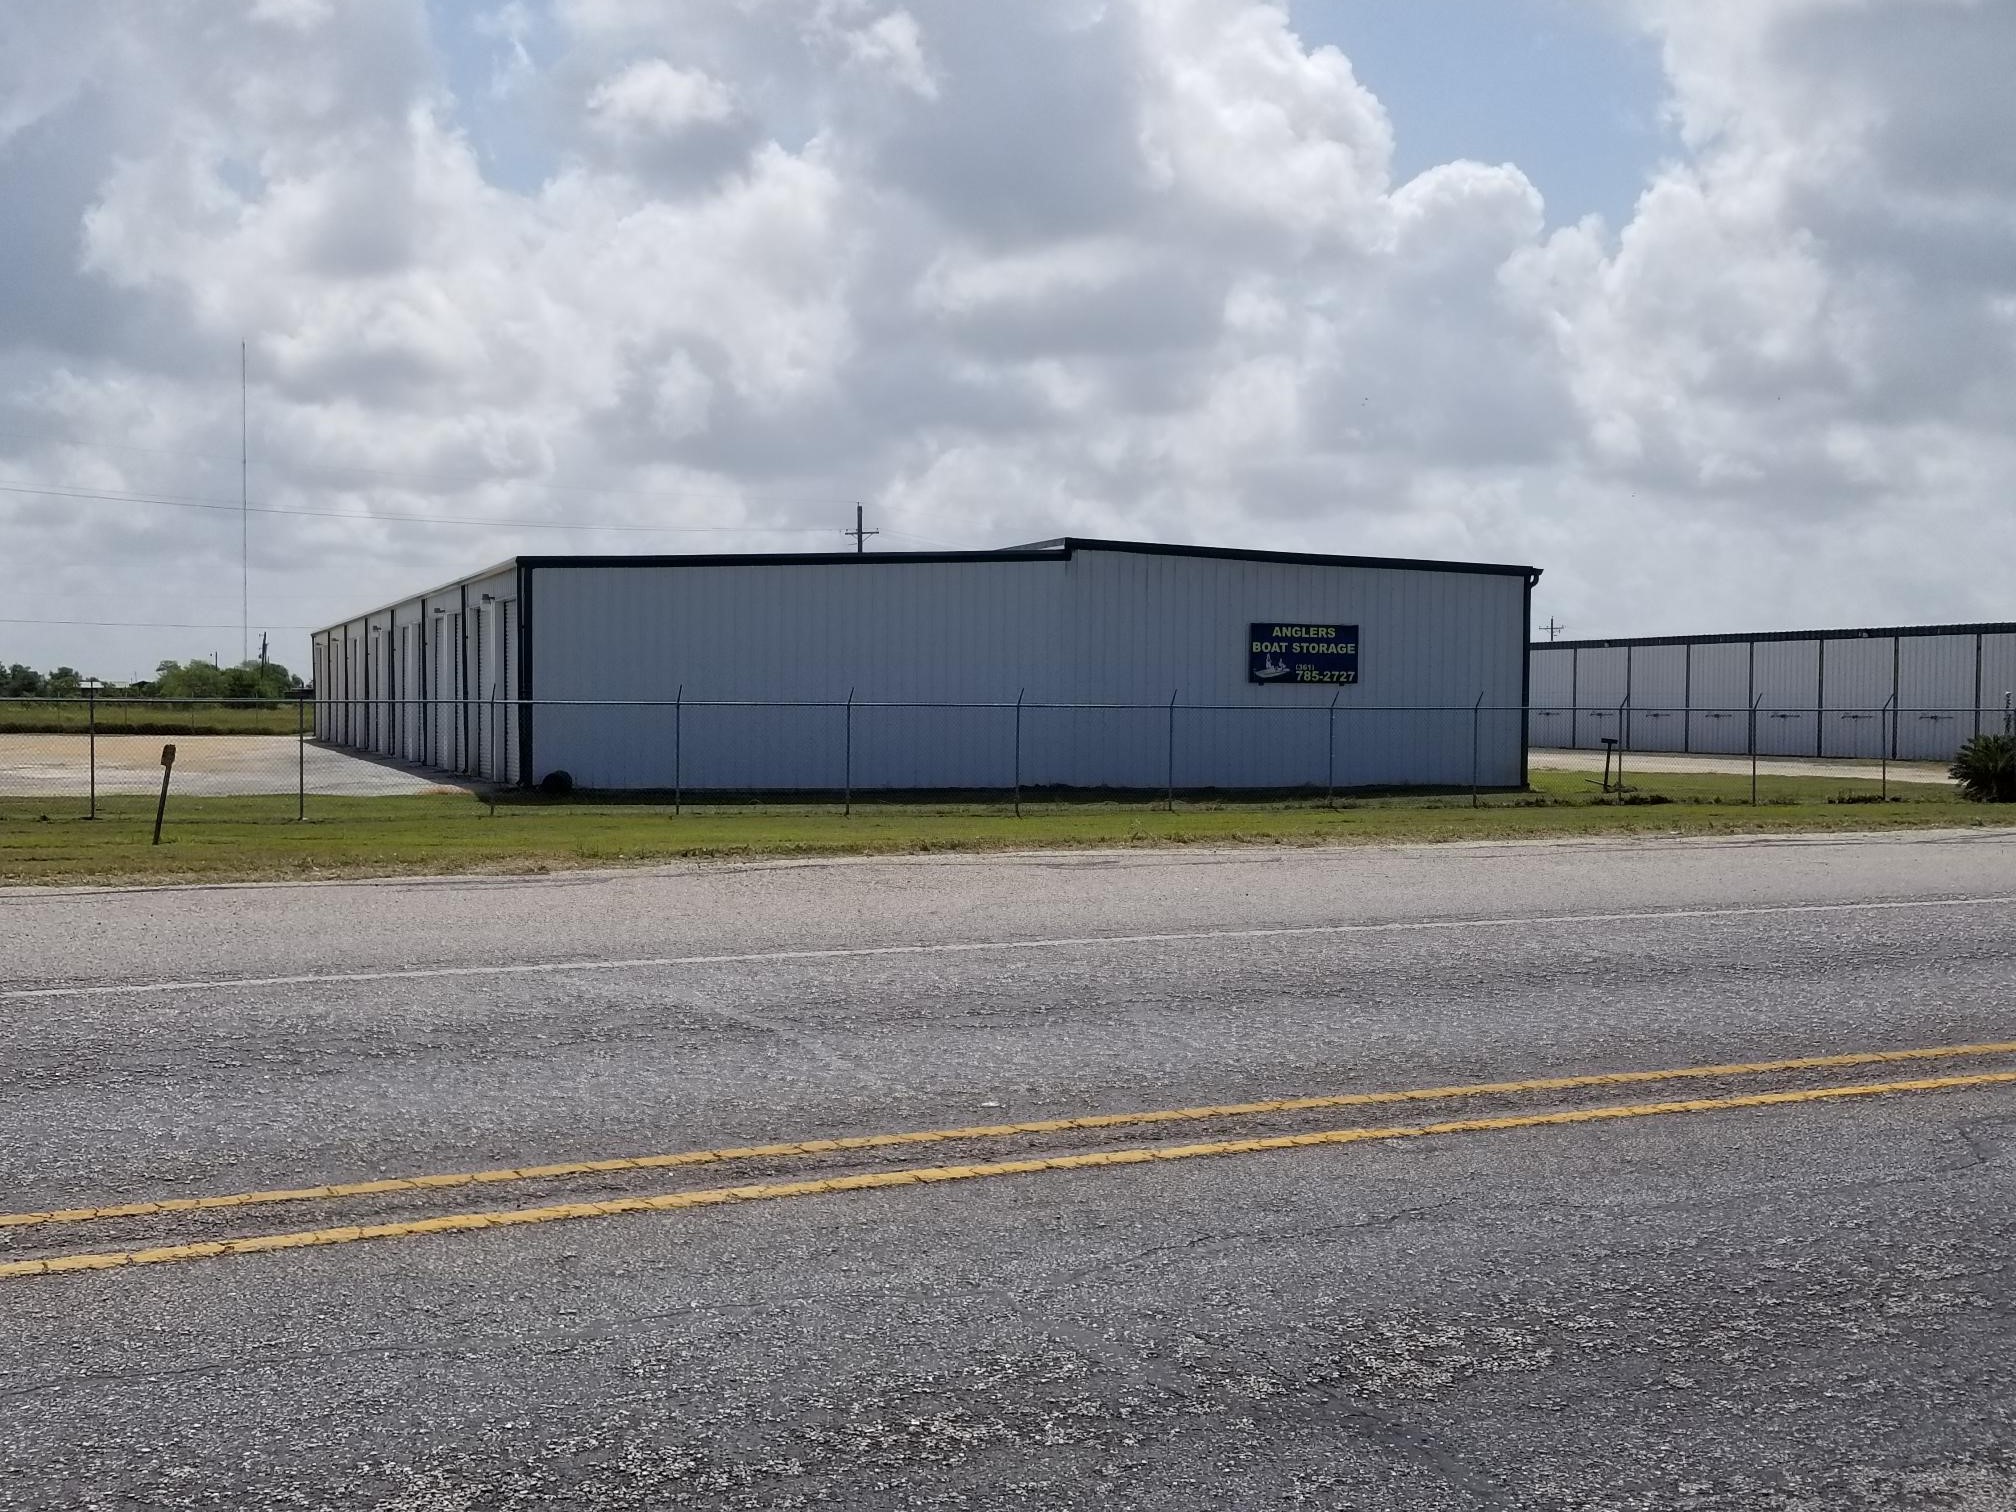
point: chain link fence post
(678, 751)
(300, 760)
(848, 770)
(1330, 751)
(1890, 740)
(1476, 736)
(1020, 694)
(91, 717)
(1169, 784)
(1754, 704)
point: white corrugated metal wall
(1096, 627)
(1818, 695)
(1998, 681)
(1937, 713)
(1718, 699)
(1860, 676)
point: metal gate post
(91, 705)
(678, 734)
(300, 760)
(849, 769)
(1169, 786)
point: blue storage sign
(1303, 654)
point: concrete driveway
(1769, 766)
(58, 766)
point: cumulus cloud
(1126, 266)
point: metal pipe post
(1330, 770)
(300, 760)
(1890, 709)
(1020, 693)
(1169, 785)
(678, 736)
(1623, 741)
(1476, 733)
(91, 706)
(1753, 748)
(849, 771)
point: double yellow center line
(716, 1196)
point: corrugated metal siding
(1720, 718)
(1553, 694)
(1109, 627)
(1657, 717)
(1788, 683)
(1859, 678)
(1601, 680)
(1998, 682)
(1936, 679)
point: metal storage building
(1914, 692)
(1135, 665)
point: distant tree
(20, 681)
(65, 682)
(201, 679)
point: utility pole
(1553, 630)
(244, 520)
(859, 533)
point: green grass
(218, 839)
(73, 717)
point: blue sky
(1562, 88)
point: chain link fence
(300, 759)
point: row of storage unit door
(1909, 694)
(434, 691)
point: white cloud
(655, 99)
(1136, 266)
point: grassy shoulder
(226, 839)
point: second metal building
(1912, 692)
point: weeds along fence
(302, 758)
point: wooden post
(161, 808)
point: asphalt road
(1798, 1302)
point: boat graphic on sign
(1271, 668)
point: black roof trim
(1060, 549)
(1295, 558)
(1882, 632)
(1038, 551)
(794, 558)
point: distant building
(736, 672)
(1912, 692)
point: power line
(143, 624)
(507, 522)
(450, 480)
